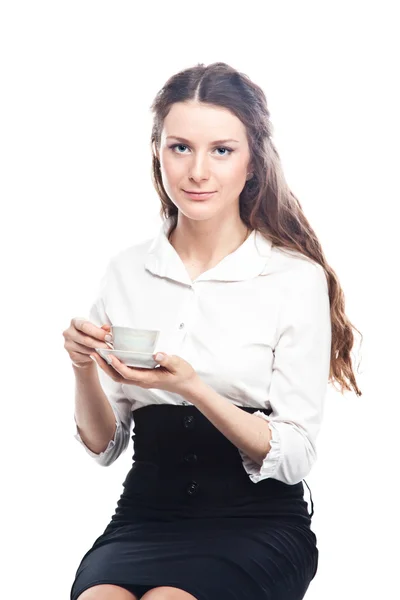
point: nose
(199, 169)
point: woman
(252, 330)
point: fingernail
(92, 357)
(108, 338)
(159, 356)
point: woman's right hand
(81, 338)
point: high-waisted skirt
(190, 517)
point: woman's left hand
(173, 375)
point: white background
(77, 82)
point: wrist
(84, 370)
(195, 390)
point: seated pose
(252, 329)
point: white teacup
(134, 340)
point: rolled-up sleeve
(299, 379)
(121, 405)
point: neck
(204, 243)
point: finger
(170, 362)
(137, 375)
(107, 329)
(86, 328)
(89, 335)
(83, 349)
(103, 364)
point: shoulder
(294, 271)
(130, 257)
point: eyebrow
(185, 141)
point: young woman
(253, 328)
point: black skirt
(190, 517)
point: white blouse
(256, 328)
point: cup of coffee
(134, 340)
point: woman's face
(193, 158)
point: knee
(167, 593)
(106, 591)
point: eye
(178, 146)
(227, 150)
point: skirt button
(188, 422)
(192, 488)
(190, 458)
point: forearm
(93, 415)
(248, 432)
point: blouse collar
(246, 262)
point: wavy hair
(266, 203)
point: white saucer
(143, 360)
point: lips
(199, 195)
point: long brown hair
(266, 202)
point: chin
(197, 212)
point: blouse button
(182, 325)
